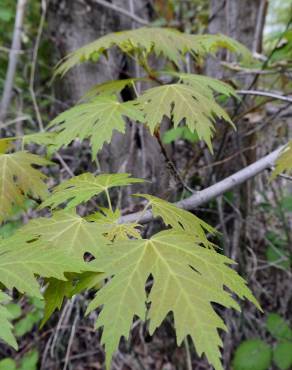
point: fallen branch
(215, 190)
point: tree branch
(215, 190)
(13, 58)
(122, 11)
(264, 93)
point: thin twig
(13, 58)
(265, 94)
(34, 63)
(204, 196)
(122, 11)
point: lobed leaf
(18, 179)
(108, 220)
(95, 120)
(187, 278)
(180, 219)
(22, 258)
(110, 88)
(284, 161)
(67, 232)
(166, 42)
(5, 324)
(81, 188)
(181, 103)
(206, 85)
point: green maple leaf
(206, 85)
(81, 188)
(284, 161)
(18, 179)
(40, 138)
(181, 102)
(180, 219)
(5, 324)
(5, 144)
(94, 120)
(187, 278)
(110, 88)
(165, 42)
(22, 258)
(68, 232)
(54, 296)
(108, 220)
(211, 43)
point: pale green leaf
(40, 138)
(18, 179)
(21, 259)
(94, 120)
(5, 325)
(284, 161)
(110, 87)
(5, 144)
(211, 43)
(68, 232)
(180, 219)
(206, 85)
(108, 220)
(165, 42)
(81, 188)
(54, 296)
(187, 278)
(181, 103)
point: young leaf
(211, 43)
(284, 161)
(283, 355)
(18, 178)
(165, 42)
(278, 327)
(253, 354)
(81, 188)
(206, 85)
(68, 232)
(6, 144)
(108, 220)
(54, 296)
(40, 138)
(187, 278)
(21, 259)
(181, 102)
(94, 120)
(180, 219)
(110, 88)
(5, 325)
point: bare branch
(215, 190)
(266, 94)
(34, 64)
(13, 58)
(122, 11)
